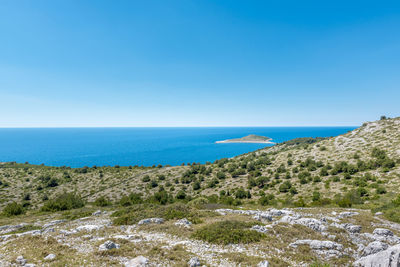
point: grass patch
(228, 232)
(25, 228)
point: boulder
(108, 245)
(263, 216)
(139, 261)
(351, 228)
(194, 262)
(50, 257)
(263, 264)
(184, 223)
(382, 232)
(96, 213)
(20, 260)
(312, 223)
(374, 247)
(260, 228)
(387, 258)
(318, 244)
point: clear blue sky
(198, 63)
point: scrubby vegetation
(13, 209)
(65, 201)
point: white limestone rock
(263, 264)
(139, 261)
(108, 245)
(184, 223)
(374, 247)
(194, 262)
(382, 232)
(261, 228)
(50, 257)
(386, 258)
(151, 220)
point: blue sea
(78, 147)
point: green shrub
(228, 232)
(146, 179)
(13, 209)
(66, 201)
(240, 193)
(285, 187)
(102, 202)
(181, 194)
(267, 200)
(133, 198)
(381, 190)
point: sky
(94, 63)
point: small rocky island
(252, 138)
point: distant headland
(252, 138)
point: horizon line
(229, 126)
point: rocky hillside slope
(305, 202)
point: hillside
(324, 191)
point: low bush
(228, 232)
(13, 209)
(102, 202)
(66, 201)
(132, 199)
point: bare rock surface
(374, 247)
(386, 258)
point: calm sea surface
(77, 147)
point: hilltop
(329, 194)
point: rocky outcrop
(386, 258)
(382, 232)
(351, 228)
(347, 214)
(326, 249)
(317, 244)
(151, 220)
(50, 257)
(257, 214)
(312, 223)
(374, 247)
(88, 227)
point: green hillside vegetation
(357, 168)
